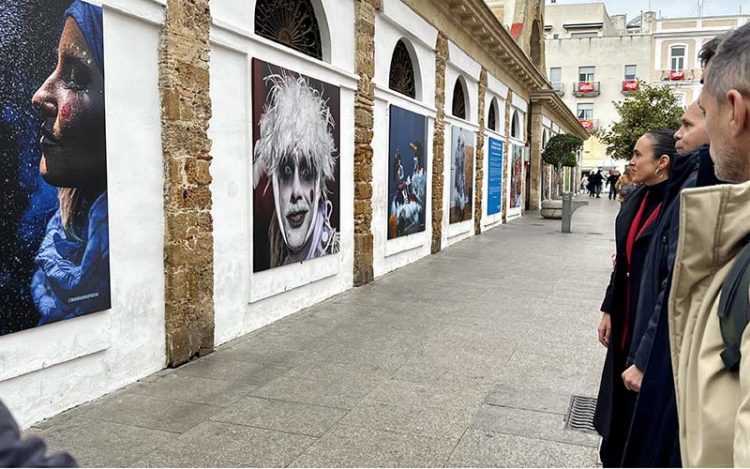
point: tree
(650, 107)
(561, 152)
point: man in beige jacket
(714, 403)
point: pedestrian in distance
(612, 179)
(711, 376)
(635, 223)
(597, 179)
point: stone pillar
(363, 131)
(438, 144)
(479, 159)
(188, 233)
(536, 156)
(506, 155)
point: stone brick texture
(536, 155)
(363, 132)
(188, 234)
(479, 158)
(438, 145)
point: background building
(595, 58)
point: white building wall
(398, 22)
(247, 300)
(46, 370)
(459, 65)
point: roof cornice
(476, 18)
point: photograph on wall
(295, 167)
(462, 175)
(54, 231)
(494, 175)
(407, 183)
(516, 176)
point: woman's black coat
(654, 439)
(610, 415)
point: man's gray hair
(729, 69)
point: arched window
(492, 115)
(401, 77)
(459, 100)
(292, 24)
(515, 125)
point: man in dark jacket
(611, 182)
(653, 440)
(596, 181)
(15, 452)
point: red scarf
(635, 231)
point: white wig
(297, 121)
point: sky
(669, 8)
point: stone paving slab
(218, 444)
(351, 446)
(532, 424)
(284, 416)
(339, 394)
(148, 412)
(465, 358)
(96, 443)
(480, 448)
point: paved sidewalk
(466, 358)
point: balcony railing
(586, 88)
(559, 88)
(589, 124)
(677, 75)
(629, 86)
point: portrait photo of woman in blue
(60, 237)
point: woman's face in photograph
(71, 102)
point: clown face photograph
(54, 234)
(295, 167)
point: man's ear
(740, 114)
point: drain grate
(581, 414)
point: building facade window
(555, 75)
(492, 115)
(401, 76)
(630, 71)
(586, 73)
(291, 24)
(458, 107)
(677, 58)
(585, 111)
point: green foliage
(650, 107)
(561, 151)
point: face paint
(71, 102)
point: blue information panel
(494, 176)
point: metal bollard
(568, 207)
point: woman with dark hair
(638, 216)
(72, 275)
